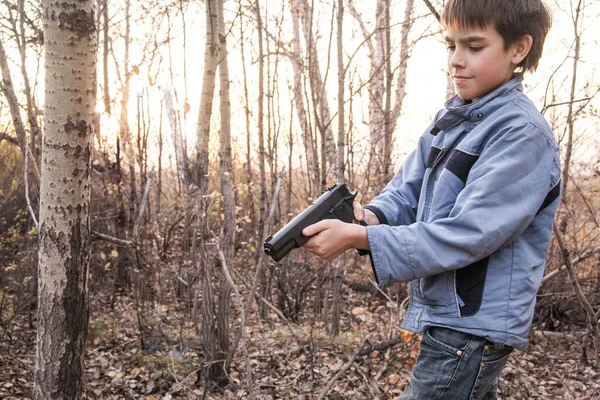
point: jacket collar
(457, 111)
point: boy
(468, 218)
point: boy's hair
(512, 19)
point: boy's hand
(362, 214)
(332, 237)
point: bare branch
(35, 221)
(573, 262)
(343, 370)
(118, 242)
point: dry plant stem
(570, 337)
(432, 9)
(272, 307)
(123, 242)
(262, 255)
(573, 262)
(589, 310)
(119, 242)
(35, 221)
(258, 270)
(379, 374)
(238, 296)
(374, 390)
(343, 370)
(136, 230)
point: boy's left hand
(332, 237)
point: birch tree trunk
(322, 112)
(338, 275)
(570, 114)
(228, 193)
(64, 237)
(105, 38)
(211, 53)
(298, 67)
(32, 109)
(6, 86)
(124, 128)
(176, 134)
(400, 93)
(262, 202)
(384, 110)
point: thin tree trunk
(211, 53)
(105, 56)
(262, 202)
(176, 134)
(228, 193)
(319, 92)
(400, 93)
(570, 117)
(341, 84)
(32, 110)
(377, 96)
(298, 67)
(249, 173)
(64, 238)
(124, 128)
(9, 92)
(338, 275)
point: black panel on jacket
(460, 163)
(550, 197)
(434, 152)
(470, 282)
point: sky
(426, 83)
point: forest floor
(287, 361)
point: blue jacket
(468, 218)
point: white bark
(64, 237)
(176, 135)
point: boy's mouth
(460, 79)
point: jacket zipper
(456, 296)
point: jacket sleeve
(398, 201)
(504, 190)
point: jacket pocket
(437, 293)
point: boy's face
(477, 61)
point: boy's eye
(450, 47)
(476, 49)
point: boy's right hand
(363, 214)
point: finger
(313, 229)
(359, 211)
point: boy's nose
(456, 60)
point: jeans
(456, 366)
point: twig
(261, 258)
(379, 289)
(589, 310)
(136, 229)
(238, 296)
(432, 9)
(379, 374)
(573, 262)
(272, 307)
(119, 242)
(382, 346)
(35, 221)
(570, 337)
(343, 370)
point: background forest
(159, 143)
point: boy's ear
(521, 48)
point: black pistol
(336, 203)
